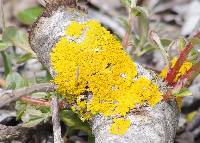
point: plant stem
(7, 62)
(183, 55)
(125, 41)
(41, 102)
(35, 102)
(2, 16)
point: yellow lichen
(184, 68)
(75, 30)
(96, 75)
(120, 126)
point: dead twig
(56, 120)
(7, 96)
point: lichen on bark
(147, 123)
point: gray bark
(152, 125)
(155, 125)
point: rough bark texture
(47, 31)
(151, 125)
(148, 125)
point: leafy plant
(28, 16)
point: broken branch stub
(148, 124)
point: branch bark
(8, 96)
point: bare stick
(7, 96)
(56, 120)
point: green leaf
(126, 3)
(34, 121)
(147, 48)
(143, 23)
(28, 16)
(155, 40)
(9, 33)
(7, 63)
(33, 116)
(3, 45)
(20, 108)
(21, 40)
(124, 22)
(184, 92)
(91, 138)
(181, 43)
(195, 54)
(189, 117)
(40, 95)
(165, 42)
(71, 119)
(18, 38)
(45, 109)
(195, 41)
(129, 3)
(15, 81)
(24, 58)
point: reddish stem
(125, 41)
(40, 102)
(35, 102)
(182, 57)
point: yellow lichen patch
(96, 75)
(120, 126)
(184, 68)
(75, 29)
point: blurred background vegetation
(173, 20)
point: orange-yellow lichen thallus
(88, 59)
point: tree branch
(7, 96)
(157, 125)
